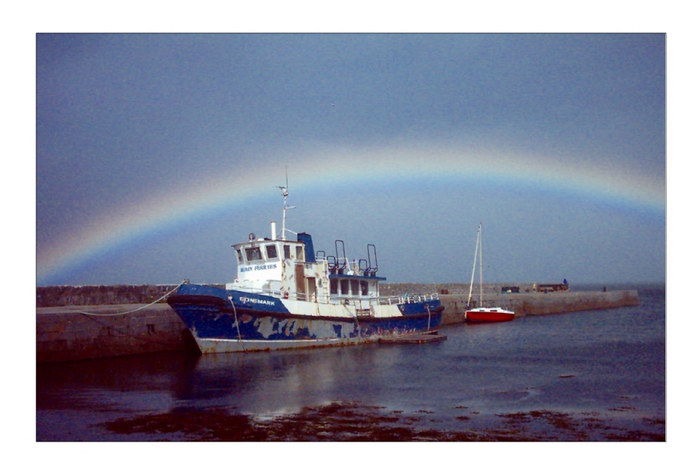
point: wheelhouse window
(240, 255)
(350, 287)
(271, 251)
(253, 254)
(287, 254)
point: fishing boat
(481, 313)
(287, 296)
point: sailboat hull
(488, 315)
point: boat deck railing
(347, 299)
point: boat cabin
(291, 269)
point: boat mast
(285, 193)
(476, 248)
(481, 277)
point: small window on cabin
(355, 286)
(344, 285)
(253, 254)
(364, 288)
(287, 254)
(300, 253)
(240, 255)
(334, 286)
(271, 251)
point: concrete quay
(75, 332)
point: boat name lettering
(260, 267)
(249, 300)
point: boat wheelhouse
(290, 269)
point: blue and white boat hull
(222, 320)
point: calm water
(607, 364)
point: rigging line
(136, 309)
(471, 283)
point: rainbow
(240, 186)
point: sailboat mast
(481, 277)
(476, 248)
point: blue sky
(156, 152)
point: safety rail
(336, 299)
(344, 265)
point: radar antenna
(285, 207)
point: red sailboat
(481, 313)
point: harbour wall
(70, 333)
(74, 323)
(524, 304)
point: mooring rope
(235, 316)
(136, 309)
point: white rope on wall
(136, 309)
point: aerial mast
(285, 193)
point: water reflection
(105, 383)
(286, 381)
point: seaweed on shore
(350, 421)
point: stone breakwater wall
(89, 322)
(541, 304)
(58, 296)
(66, 334)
